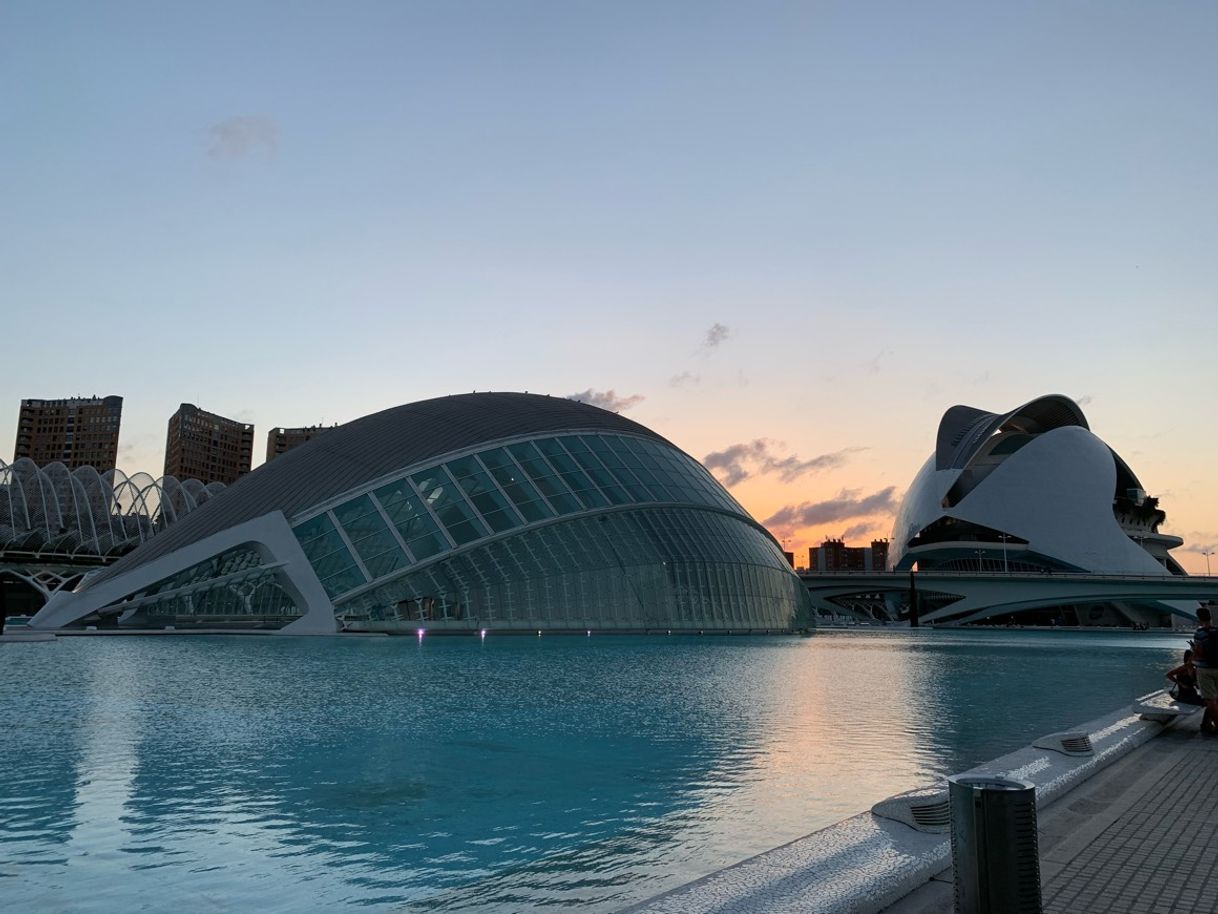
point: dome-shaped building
(1030, 490)
(494, 511)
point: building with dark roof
(499, 511)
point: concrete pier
(1130, 829)
(1136, 838)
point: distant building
(77, 432)
(790, 557)
(201, 445)
(835, 555)
(282, 440)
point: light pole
(1207, 553)
(1005, 568)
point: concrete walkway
(1139, 837)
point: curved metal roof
(375, 446)
(964, 429)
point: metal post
(913, 600)
(994, 845)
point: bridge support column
(913, 601)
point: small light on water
(420, 634)
(482, 634)
(589, 633)
(539, 633)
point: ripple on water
(290, 774)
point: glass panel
(572, 475)
(370, 536)
(545, 478)
(450, 507)
(526, 498)
(479, 489)
(328, 554)
(631, 453)
(613, 463)
(596, 470)
(411, 519)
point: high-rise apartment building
(835, 555)
(282, 440)
(77, 432)
(202, 445)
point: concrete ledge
(867, 863)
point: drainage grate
(1074, 743)
(933, 815)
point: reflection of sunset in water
(495, 774)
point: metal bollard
(994, 845)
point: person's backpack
(1205, 646)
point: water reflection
(502, 774)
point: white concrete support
(269, 534)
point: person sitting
(1184, 678)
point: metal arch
(84, 513)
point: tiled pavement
(1139, 837)
(1158, 852)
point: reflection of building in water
(1034, 490)
(505, 511)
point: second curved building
(495, 511)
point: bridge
(962, 597)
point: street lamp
(1005, 568)
(1207, 553)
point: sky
(786, 236)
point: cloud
(873, 364)
(848, 504)
(715, 336)
(243, 135)
(738, 462)
(1197, 547)
(607, 399)
(856, 530)
(1084, 400)
(684, 379)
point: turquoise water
(455, 774)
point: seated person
(1185, 678)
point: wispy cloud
(848, 505)
(1198, 547)
(738, 462)
(873, 364)
(607, 399)
(854, 531)
(1084, 400)
(684, 379)
(242, 135)
(715, 336)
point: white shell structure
(1029, 490)
(52, 511)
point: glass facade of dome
(582, 519)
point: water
(278, 774)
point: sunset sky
(786, 236)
